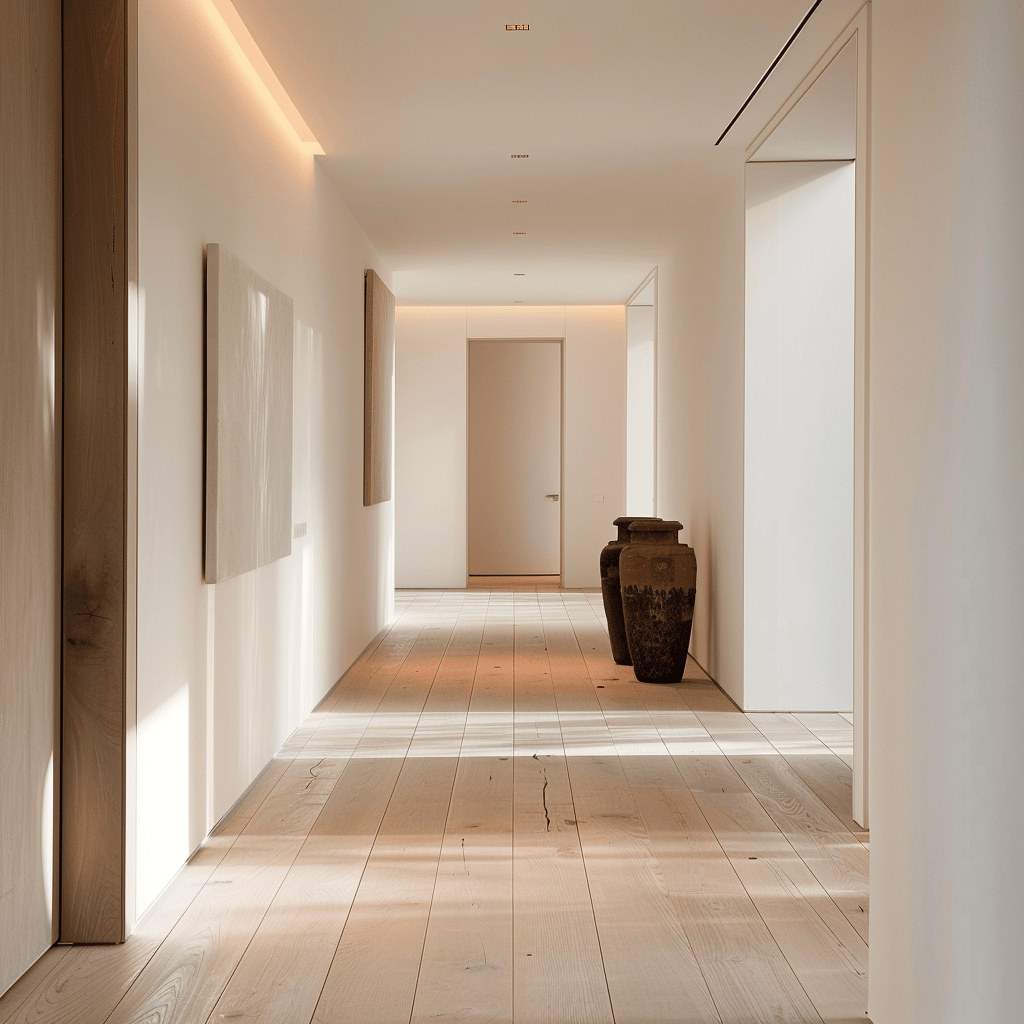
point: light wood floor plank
(282, 972)
(832, 853)
(30, 983)
(653, 977)
(185, 977)
(827, 775)
(745, 970)
(486, 819)
(466, 970)
(833, 730)
(554, 927)
(373, 974)
(89, 981)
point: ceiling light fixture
(518, 300)
(519, 275)
(249, 59)
(520, 156)
(514, 201)
(517, 28)
(518, 232)
(771, 67)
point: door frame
(99, 470)
(859, 27)
(561, 442)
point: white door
(515, 458)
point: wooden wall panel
(98, 574)
(30, 48)
(378, 391)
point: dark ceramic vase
(611, 592)
(658, 577)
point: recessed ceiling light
(514, 201)
(518, 232)
(520, 156)
(518, 300)
(517, 28)
(519, 275)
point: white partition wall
(798, 447)
(430, 446)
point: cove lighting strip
(250, 60)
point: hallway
(487, 820)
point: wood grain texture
(98, 599)
(188, 972)
(487, 822)
(378, 390)
(89, 981)
(30, 425)
(555, 934)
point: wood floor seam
(486, 820)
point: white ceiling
(419, 107)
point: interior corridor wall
(700, 417)
(946, 490)
(226, 672)
(430, 432)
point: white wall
(226, 672)
(641, 410)
(700, 418)
(430, 446)
(593, 438)
(946, 490)
(798, 449)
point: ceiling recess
(519, 275)
(520, 156)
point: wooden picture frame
(378, 390)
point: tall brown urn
(611, 592)
(658, 577)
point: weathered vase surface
(658, 580)
(611, 592)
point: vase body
(611, 592)
(658, 579)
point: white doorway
(825, 122)
(642, 398)
(515, 458)
(798, 437)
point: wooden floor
(525, 584)
(488, 820)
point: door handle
(553, 497)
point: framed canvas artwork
(249, 332)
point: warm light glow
(250, 60)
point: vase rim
(658, 526)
